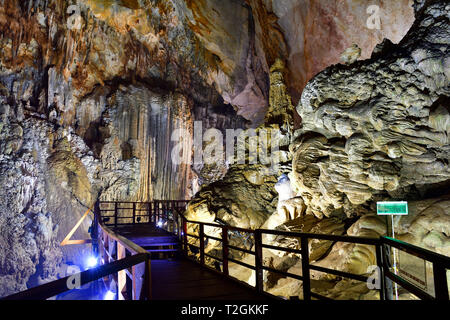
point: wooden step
(157, 242)
(163, 250)
(163, 244)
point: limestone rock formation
(351, 54)
(369, 133)
(311, 35)
(246, 196)
(89, 99)
(370, 130)
(373, 130)
(426, 225)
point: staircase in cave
(156, 241)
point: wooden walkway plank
(182, 279)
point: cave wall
(89, 99)
(371, 129)
(89, 112)
(311, 35)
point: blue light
(110, 295)
(159, 224)
(92, 262)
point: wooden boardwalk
(179, 278)
(182, 279)
(147, 235)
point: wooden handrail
(129, 245)
(139, 255)
(144, 281)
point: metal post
(157, 211)
(115, 214)
(185, 237)
(379, 257)
(166, 212)
(134, 212)
(94, 230)
(389, 290)
(146, 291)
(225, 250)
(155, 217)
(305, 269)
(259, 284)
(202, 244)
(394, 254)
(440, 282)
(172, 211)
(95, 238)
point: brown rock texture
(246, 195)
(311, 35)
(91, 93)
(89, 109)
(369, 130)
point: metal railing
(382, 247)
(440, 265)
(129, 265)
(258, 248)
(132, 283)
(122, 260)
(115, 213)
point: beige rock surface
(368, 130)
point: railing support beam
(305, 269)
(440, 282)
(202, 244)
(225, 251)
(379, 257)
(259, 272)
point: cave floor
(181, 279)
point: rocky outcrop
(89, 99)
(426, 225)
(311, 35)
(370, 130)
(369, 134)
(43, 189)
(246, 195)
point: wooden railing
(134, 283)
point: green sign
(392, 208)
